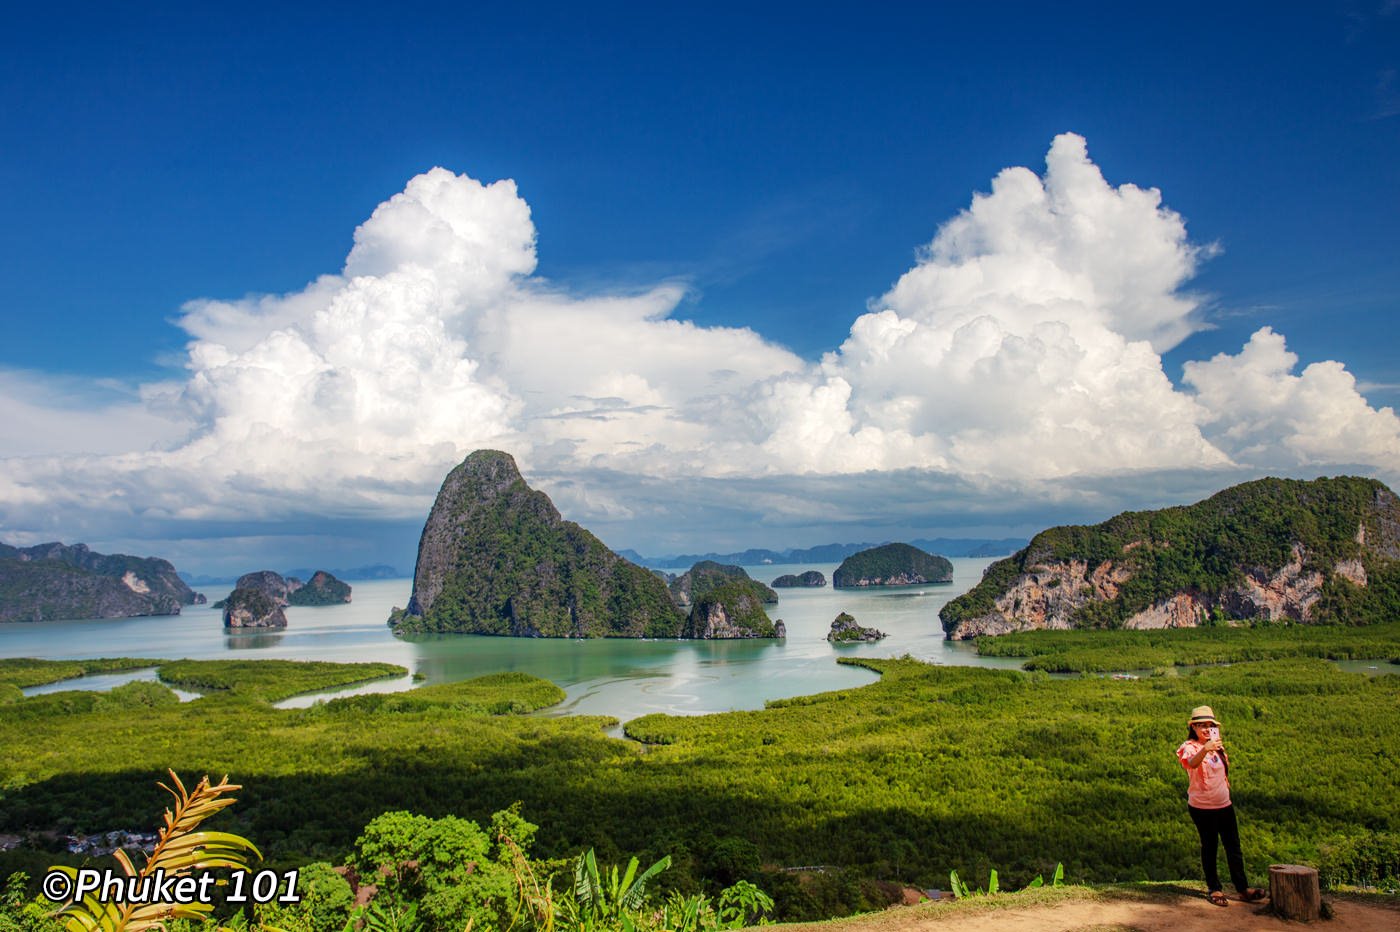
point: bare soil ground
(1135, 908)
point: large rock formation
(707, 575)
(1270, 550)
(253, 608)
(845, 629)
(497, 558)
(273, 585)
(53, 581)
(321, 589)
(811, 579)
(723, 601)
(731, 610)
(891, 565)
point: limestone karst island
(497, 558)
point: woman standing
(1203, 755)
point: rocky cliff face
(1185, 567)
(253, 608)
(273, 585)
(496, 557)
(731, 611)
(54, 581)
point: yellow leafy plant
(180, 850)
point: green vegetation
(962, 891)
(1208, 548)
(271, 680)
(1104, 651)
(407, 872)
(494, 694)
(891, 565)
(27, 671)
(134, 698)
(928, 770)
(707, 576)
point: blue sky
(773, 168)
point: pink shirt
(1209, 788)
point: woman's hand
(1214, 744)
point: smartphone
(1213, 733)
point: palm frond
(179, 850)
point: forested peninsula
(54, 581)
(1273, 550)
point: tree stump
(1294, 891)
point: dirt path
(1159, 917)
(1167, 910)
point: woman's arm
(1195, 761)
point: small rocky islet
(845, 630)
(812, 579)
(258, 598)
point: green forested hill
(891, 565)
(1304, 544)
(707, 575)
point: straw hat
(1203, 713)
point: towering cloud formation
(1023, 347)
(1258, 409)
(1025, 342)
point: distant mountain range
(835, 553)
(359, 574)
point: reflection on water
(251, 639)
(621, 678)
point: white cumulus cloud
(1267, 416)
(1021, 351)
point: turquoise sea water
(621, 678)
(615, 677)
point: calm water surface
(620, 678)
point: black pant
(1221, 824)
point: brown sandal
(1218, 897)
(1253, 895)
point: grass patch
(28, 671)
(271, 680)
(1105, 651)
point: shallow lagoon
(620, 678)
